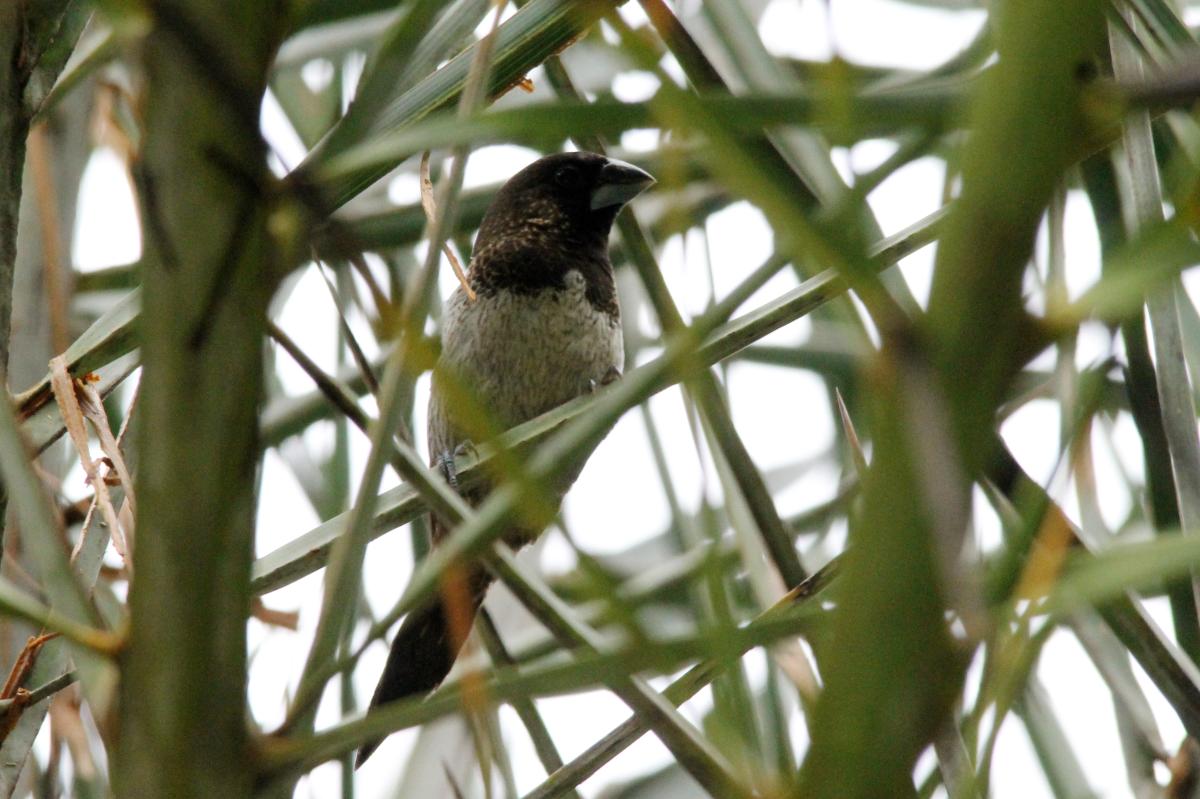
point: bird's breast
(524, 353)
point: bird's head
(566, 197)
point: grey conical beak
(619, 183)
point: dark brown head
(551, 217)
(574, 195)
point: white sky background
(782, 415)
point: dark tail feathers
(422, 653)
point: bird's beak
(619, 183)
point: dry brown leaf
(127, 516)
(460, 612)
(1184, 772)
(94, 410)
(66, 391)
(288, 619)
(1046, 558)
(23, 664)
(12, 691)
(106, 127)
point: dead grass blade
(12, 690)
(65, 390)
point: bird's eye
(567, 177)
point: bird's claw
(611, 376)
(447, 461)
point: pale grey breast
(524, 354)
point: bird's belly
(524, 354)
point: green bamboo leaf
(669, 782)
(52, 28)
(763, 72)
(695, 754)
(1142, 197)
(309, 13)
(1171, 671)
(66, 586)
(284, 756)
(1141, 741)
(311, 113)
(446, 36)
(1189, 321)
(535, 726)
(1162, 19)
(290, 415)
(335, 38)
(1162, 507)
(122, 277)
(1096, 579)
(957, 5)
(873, 115)
(750, 506)
(1050, 744)
(540, 29)
(342, 580)
(41, 534)
(683, 688)
(18, 604)
(1175, 675)
(381, 80)
(108, 338)
(1152, 260)
(96, 46)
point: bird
(543, 328)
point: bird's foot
(611, 376)
(447, 461)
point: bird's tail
(428, 643)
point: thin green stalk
(678, 692)
(1143, 196)
(1059, 761)
(1142, 390)
(693, 752)
(543, 743)
(284, 757)
(536, 32)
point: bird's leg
(447, 461)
